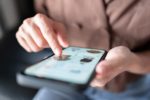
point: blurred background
(12, 57)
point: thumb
(103, 75)
(111, 62)
(104, 67)
(108, 68)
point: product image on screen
(76, 65)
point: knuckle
(102, 71)
(44, 20)
(27, 21)
(21, 29)
(39, 16)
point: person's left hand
(117, 61)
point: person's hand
(40, 32)
(117, 61)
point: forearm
(140, 63)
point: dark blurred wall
(12, 12)
(9, 13)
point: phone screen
(76, 65)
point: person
(120, 26)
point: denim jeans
(138, 90)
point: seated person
(120, 26)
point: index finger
(46, 27)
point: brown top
(103, 23)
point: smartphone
(76, 67)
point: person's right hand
(40, 32)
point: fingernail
(66, 45)
(58, 52)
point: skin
(40, 32)
(118, 60)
